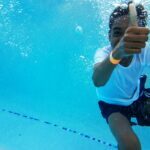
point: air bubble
(79, 29)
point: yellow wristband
(113, 60)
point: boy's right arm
(103, 70)
(131, 43)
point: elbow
(97, 83)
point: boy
(116, 74)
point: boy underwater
(117, 76)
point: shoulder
(104, 50)
(101, 53)
(145, 55)
(146, 50)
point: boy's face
(118, 29)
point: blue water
(46, 56)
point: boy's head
(119, 21)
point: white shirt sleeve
(101, 54)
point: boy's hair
(122, 10)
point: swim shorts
(133, 110)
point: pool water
(47, 99)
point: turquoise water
(46, 58)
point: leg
(122, 131)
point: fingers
(135, 45)
(132, 51)
(136, 34)
(135, 38)
(138, 30)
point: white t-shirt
(123, 86)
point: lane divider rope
(61, 127)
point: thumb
(132, 15)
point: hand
(133, 41)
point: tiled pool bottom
(26, 125)
(24, 132)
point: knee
(130, 144)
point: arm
(103, 70)
(133, 40)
